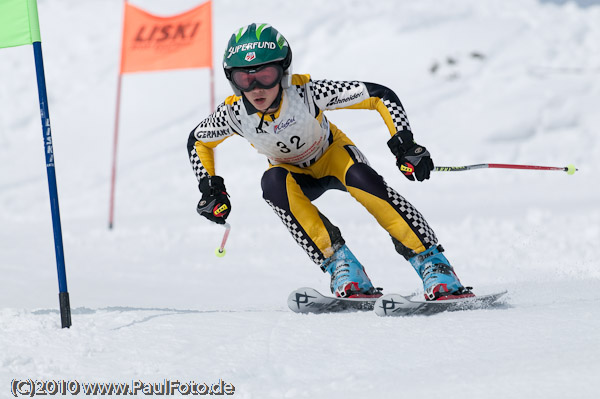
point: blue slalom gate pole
(63, 294)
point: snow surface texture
(497, 81)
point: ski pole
(570, 169)
(220, 251)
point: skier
(281, 115)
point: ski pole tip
(220, 252)
(571, 169)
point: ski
(309, 300)
(398, 305)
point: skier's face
(263, 98)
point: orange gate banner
(153, 43)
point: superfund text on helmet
(254, 45)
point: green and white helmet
(254, 45)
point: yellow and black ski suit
(308, 155)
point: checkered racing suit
(309, 155)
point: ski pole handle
(570, 169)
(220, 251)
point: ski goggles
(265, 77)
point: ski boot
(348, 277)
(439, 280)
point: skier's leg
(409, 229)
(417, 243)
(344, 161)
(410, 232)
(312, 230)
(290, 194)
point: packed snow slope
(500, 81)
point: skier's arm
(214, 204)
(331, 95)
(412, 159)
(202, 156)
(202, 140)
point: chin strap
(262, 119)
(276, 101)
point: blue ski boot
(439, 280)
(348, 277)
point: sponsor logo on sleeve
(211, 134)
(336, 100)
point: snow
(151, 301)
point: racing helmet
(253, 46)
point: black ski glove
(412, 159)
(214, 204)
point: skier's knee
(365, 178)
(273, 184)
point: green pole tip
(571, 169)
(220, 252)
